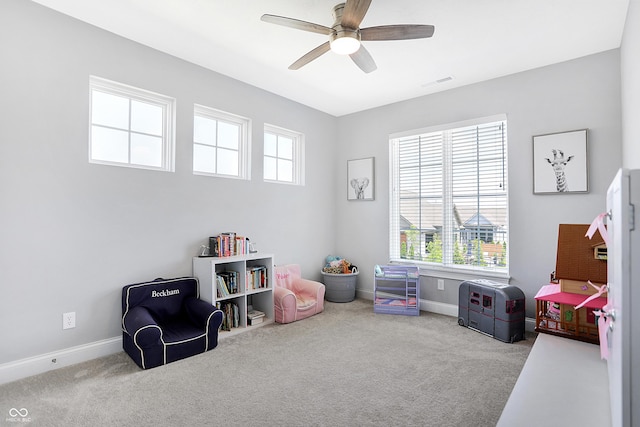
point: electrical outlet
(69, 320)
(441, 284)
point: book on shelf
(229, 240)
(255, 317)
(241, 245)
(228, 244)
(252, 314)
(256, 321)
(227, 282)
(223, 291)
(256, 277)
(231, 315)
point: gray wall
(583, 93)
(73, 233)
(630, 67)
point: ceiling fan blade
(353, 13)
(297, 24)
(310, 56)
(364, 60)
(397, 32)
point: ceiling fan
(345, 35)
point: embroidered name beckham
(165, 293)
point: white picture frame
(361, 179)
(560, 163)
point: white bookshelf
(206, 269)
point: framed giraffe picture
(560, 163)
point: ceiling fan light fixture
(345, 35)
(345, 41)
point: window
(130, 127)
(514, 306)
(448, 196)
(283, 156)
(487, 301)
(220, 143)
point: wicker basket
(339, 287)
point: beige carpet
(344, 367)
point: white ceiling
(473, 41)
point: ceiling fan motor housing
(344, 40)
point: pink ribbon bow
(601, 290)
(604, 322)
(598, 224)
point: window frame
(131, 93)
(446, 268)
(244, 140)
(297, 155)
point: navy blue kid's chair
(164, 321)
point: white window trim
(454, 125)
(298, 154)
(244, 148)
(459, 272)
(168, 105)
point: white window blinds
(449, 199)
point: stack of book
(228, 244)
(227, 283)
(231, 318)
(255, 317)
(256, 277)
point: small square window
(220, 143)
(283, 156)
(130, 126)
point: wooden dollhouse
(579, 260)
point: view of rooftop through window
(449, 201)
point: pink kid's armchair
(295, 298)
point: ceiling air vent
(439, 81)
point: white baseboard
(13, 371)
(364, 294)
(529, 324)
(439, 308)
(425, 305)
(452, 310)
(446, 309)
